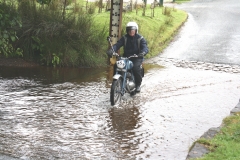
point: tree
(144, 7)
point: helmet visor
(131, 28)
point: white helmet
(132, 26)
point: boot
(138, 89)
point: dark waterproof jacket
(134, 45)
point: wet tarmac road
(211, 34)
(66, 114)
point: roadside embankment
(198, 150)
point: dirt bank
(17, 62)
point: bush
(54, 38)
(9, 21)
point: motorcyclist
(133, 43)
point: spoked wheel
(115, 94)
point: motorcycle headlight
(121, 64)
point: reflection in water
(124, 122)
(48, 75)
(63, 113)
(123, 119)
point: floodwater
(50, 113)
(66, 114)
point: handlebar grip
(109, 38)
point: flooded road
(66, 114)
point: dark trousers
(137, 70)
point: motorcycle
(123, 78)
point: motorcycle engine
(130, 85)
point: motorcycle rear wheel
(115, 94)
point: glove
(142, 54)
(110, 53)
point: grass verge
(158, 26)
(225, 145)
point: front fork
(123, 76)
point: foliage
(91, 9)
(44, 1)
(68, 34)
(59, 41)
(8, 21)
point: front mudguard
(117, 76)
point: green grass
(226, 144)
(181, 1)
(158, 30)
(77, 37)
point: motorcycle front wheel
(115, 94)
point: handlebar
(133, 56)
